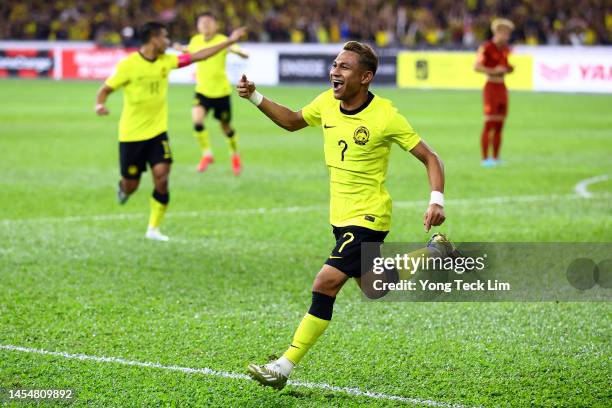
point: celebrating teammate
(212, 91)
(358, 130)
(492, 61)
(143, 125)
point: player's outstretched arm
(239, 52)
(101, 96)
(209, 52)
(279, 114)
(435, 172)
(180, 47)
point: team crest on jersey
(361, 135)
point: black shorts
(134, 156)
(346, 255)
(221, 106)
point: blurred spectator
(411, 23)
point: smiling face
(207, 26)
(348, 76)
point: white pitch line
(289, 210)
(582, 188)
(224, 374)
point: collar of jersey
(359, 109)
(145, 58)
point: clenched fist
(245, 87)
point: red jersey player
(493, 62)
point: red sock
(497, 136)
(484, 138)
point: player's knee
(325, 284)
(130, 185)
(161, 182)
(198, 127)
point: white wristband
(99, 106)
(437, 198)
(256, 98)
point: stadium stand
(407, 23)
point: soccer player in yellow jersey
(213, 91)
(143, 126)
(358, 130)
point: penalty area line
(224, 374)
(582, 187)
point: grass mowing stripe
(297, 209)
(224, 374)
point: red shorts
(495, 99)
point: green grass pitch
(77, 276)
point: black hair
(150, 29)
(367, 56)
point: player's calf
(125, 188)
(312, 326)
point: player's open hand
(245, 87)
(434, 216)
(101, 110)
(237, 34)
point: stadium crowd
(409, 23)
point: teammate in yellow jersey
(358, 129)
(212, 91)
(143, 126)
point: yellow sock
(233, 142)
(305, 336)
(203, 141)
(158, 210)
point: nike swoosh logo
(334, 257)
(328, 127)
(294, 346)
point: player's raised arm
(279, 114)
(210, 51)
(180, 47)
(101, 96)
(435, 172)
(239, 52)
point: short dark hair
(150, 29)
(205, 14)
(367, 56)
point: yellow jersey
(357, 146)
(145, 89)
(211, 78)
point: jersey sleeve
(400, 132)
(192, 46)
(119, 77)
(172, 61)
(312, 112)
